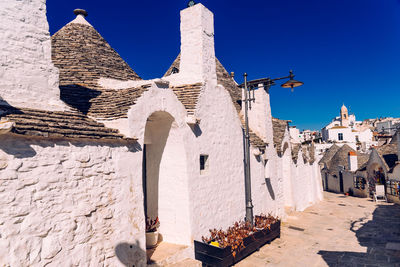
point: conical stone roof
(83, 56)
(329, 154)
(279, 128)
(340, 158)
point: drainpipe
(247, 178)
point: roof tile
(34, 122)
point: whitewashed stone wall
(28, 78)
(288, 189)
(333, 182)
(266, 171)
(348, 181)
(259, 114)
(69, 204)
(302, 183)
(217, 196)
(318, 182)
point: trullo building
(88, 148)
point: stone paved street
(340, 231)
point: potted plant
(225, 248)
(151, 232)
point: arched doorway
(165, 178)
(376, 176)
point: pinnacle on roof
(343, 108)
(81, 14)
(83, 56)
(79, 11)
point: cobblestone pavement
(339, 231)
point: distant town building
(345, 129)
(295, 136)
(388, 126)
(307, 136)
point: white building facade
(345, 129)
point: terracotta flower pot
(151, 239)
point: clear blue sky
(345, 51)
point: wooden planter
(214, 256)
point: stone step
(168, 254)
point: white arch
(158, 120)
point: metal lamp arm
(267, 81)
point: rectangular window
(340, 136)
(359, 183)
(203, 164)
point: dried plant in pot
(151, 232)
(225, 248)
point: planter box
(214, 256)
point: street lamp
(248, 88)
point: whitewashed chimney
(353, 161)
(28, 77)
(197, 45)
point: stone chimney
(353, 162)
(28, 77)
(197, 45)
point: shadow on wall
(196, 130)
(132, 146)
(378, 235)
(131, 255)
(269, 187)
(13, 146)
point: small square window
(203, 164)
(340, 136)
